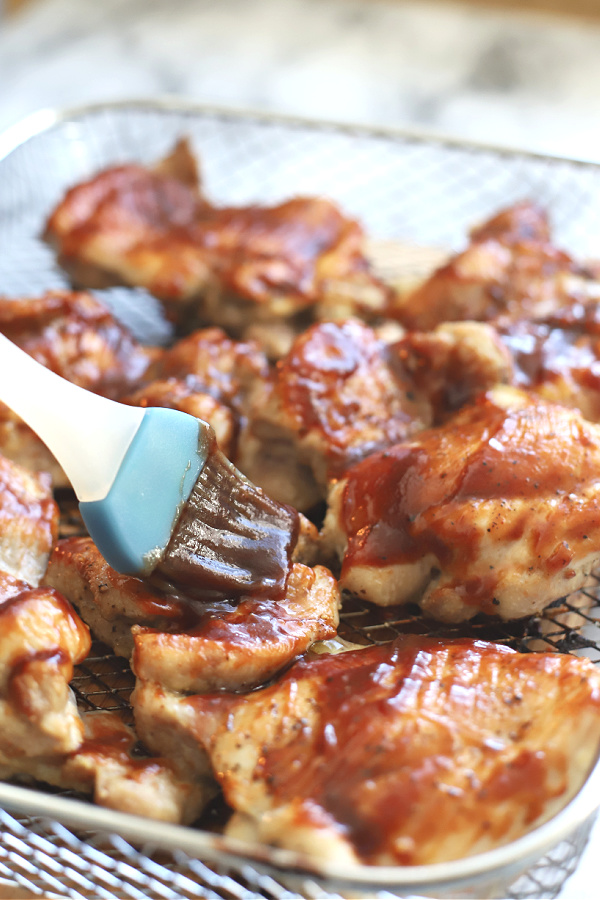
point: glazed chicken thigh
(41, 639)
(337, 396)
(408, 753)
(236, 267)
(453, 363)
(104, 765)
(75, 335)
(556, 357)
(496, 511)
(194, 645)
(509, 268)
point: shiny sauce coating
(402, 743)
(339, 385)
(559, 356)
(530, 467)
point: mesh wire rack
(410, 191)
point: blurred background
(521, 74)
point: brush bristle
(230, 538)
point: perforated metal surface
(48, 860)
(404, 188)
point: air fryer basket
(412, 192)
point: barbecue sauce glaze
(421, 497)
(230, 538)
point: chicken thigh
(408, 753)
(337, 396)
(509, 268)
(496, 511)
(237, 267)
(187, 644)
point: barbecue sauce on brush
(230, 537)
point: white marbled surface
(524, 80)
(520, 79)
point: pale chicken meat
(237, 267)
(409, 753)
(28, 522)
(108, 602)
(453, 363)
(238, 647)
(495, 512)
(41, 639)
(103, 766)
(190, 645)
(76, 336)
(510, 267)
(336, 397)
(556, 357)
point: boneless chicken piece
(126, 225)
(228, 369)
(408, 753)
(454, 362)
(497, 511)
(237, 267)
(104, 766)
(509, 268)
(108, 602)
(339, 395)
(210, 376)
(41, 639)
(28, 522)
(188, 644)
(239, 647)
(76, 336)
(556, 357)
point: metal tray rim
(213, 847)
(42, 120)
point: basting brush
(156, 494)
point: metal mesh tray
(410, 191)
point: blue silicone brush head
(179, 511)
(132, 525)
